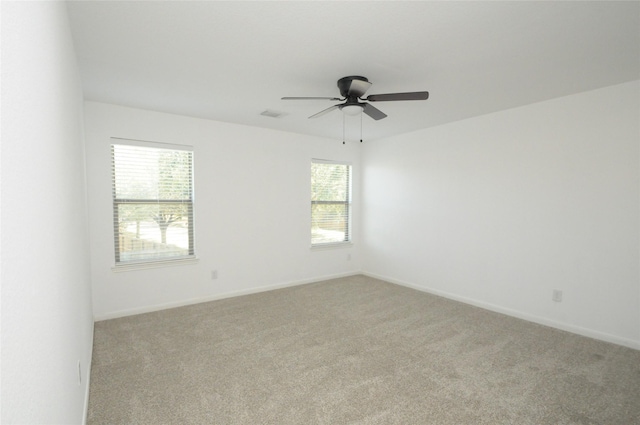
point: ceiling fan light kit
(351, 109)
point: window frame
(190, 257)
(347, 203)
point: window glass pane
(152, 231)
(329, 182)
(329, 223)
(148, 173)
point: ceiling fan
(352, 89)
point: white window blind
(152, 203)
(330, 202)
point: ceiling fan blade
(373, 112)
(312, 98)
(358, 87)
(325, 111)
(414, 95)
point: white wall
(501, 209)
(47, 323)
(252, 211)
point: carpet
(353, 350)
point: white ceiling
(230, 61)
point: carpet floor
(354, 350)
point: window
(152, 203)
(330, 202)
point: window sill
(332, 245)
(142, 265)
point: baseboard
(514, 313)
(158, 307)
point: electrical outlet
(214, 274)
(557, 295)
(348, 257)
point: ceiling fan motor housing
(353, 87)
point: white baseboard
(149, 309)
(514, 313)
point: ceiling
(230, 61)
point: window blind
(152, 203)
(330, 202)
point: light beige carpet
(354, 350)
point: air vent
(272, 114)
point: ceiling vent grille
(272, 114)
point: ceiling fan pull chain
(360, 128)
(343, 126)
